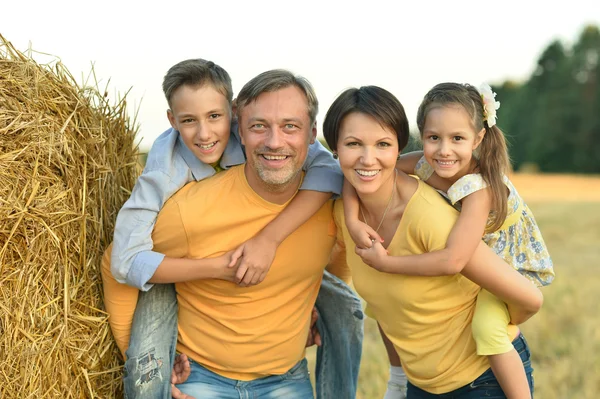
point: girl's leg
(489, 325)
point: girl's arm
(490, 272)
(462, 242)
(323, 179)
(361, 233)
(407, 162)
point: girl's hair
(491, 155)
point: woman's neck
(374, 205)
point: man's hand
(362, 234)
(376, 256)
(180, 373)
(314, 337)
(255, 257)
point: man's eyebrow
(295, 120)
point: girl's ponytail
(494, 163)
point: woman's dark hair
(374, 101)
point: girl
(465, 158)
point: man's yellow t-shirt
(242, 333)
(428, 319)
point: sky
(405, 47)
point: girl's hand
(362, 234)
(376, 256)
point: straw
(68, 161)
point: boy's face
(203, 118)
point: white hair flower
(490, 105)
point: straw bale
(68, 161)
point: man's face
(276, 130)
(202, 117)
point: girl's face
(367, 152)
(449, 140)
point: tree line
(552, 120)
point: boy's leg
(340, 324)
(151, 352)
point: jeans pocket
(487, 380)
(299, 372)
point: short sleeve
(423, 169)
(465, 186)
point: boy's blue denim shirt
(169, 167)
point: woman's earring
(335, 155)
(398, 157)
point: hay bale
(67, 163)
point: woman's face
(367, 152)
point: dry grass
(67, 161)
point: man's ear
(313, 133)
(171, 118)
(241, 132)
(478, 138)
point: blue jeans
(154, 337)
(486, 385)
(204, 384)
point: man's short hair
(197, 73)
(274, 80)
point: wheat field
(565, 335)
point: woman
(426, 321)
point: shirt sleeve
(170, 236)
(338, 264)
(423, 169)
(323, 173)
(133, 259)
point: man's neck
(276, 194)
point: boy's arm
(133, 261)
(407, 162)
(322, 179)
(361, 233)
(323, 172)
(170, 238)
(462, 242)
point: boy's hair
(492, 153)
(374, 101)
(196, 73)
(274, 80)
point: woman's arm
(389, 348)
(462, 241)
(489, 271)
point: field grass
(565, 336)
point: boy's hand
(256, 256)
(375, 256)
(225, 271)
(362, 234)
(180, 373)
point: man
(250, 341)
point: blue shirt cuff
(143, 268)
